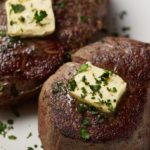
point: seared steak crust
(25, 64)
(78, 20)
(129, 128)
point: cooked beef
(25, 64)
(128, 128)
(77, 21)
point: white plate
(137, 18)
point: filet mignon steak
(25, 64)
(128, 128)
(78, 21)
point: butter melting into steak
(127, 128)
(25, 64)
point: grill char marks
(129, 128)
(25, 63)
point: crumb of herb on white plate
(12, 137)
(5, 127)
(30, 148)
(29, 135)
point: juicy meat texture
(129, 128)
(25, 64)
(77, 21)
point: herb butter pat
(97, 87)
(28, 18)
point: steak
(78, 21)
(25, 64)
(127, 128)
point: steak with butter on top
(25, 64)
(66, 123)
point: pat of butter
(28, 18)
(98, 87)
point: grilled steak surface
(78, 21)
(25, 64)
(128, 128)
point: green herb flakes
(72, 84)
(83, 18)
(2, 33)
(3, 128)
(81, 108)
(84, 133)
(95, 88)
(58, 88)
(1, 88)
(123, 14)
(10, 121)
(22, 19)
(12, 137)
(83, 68)
(113, 90)
(85, 122)
(100, 118)
(40, 15)
(17, 8)
(84, 92)
(12, 22)
(29, 135)
(61, 5)
(30, 148)
(84, 79)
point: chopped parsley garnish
(124, 29)
(35, 146)
(85, 122)
(82, 108)
(123, 14)
(95, 88)
(30, 148)
(2, 33)
(84, 92)
(113, 90)
(40, 15)
(72, 84)
(10, 121)
(110, 108)
(83, 68)
(105, 76)
(12, 22)
(84, 133)
(12, 137)
(58, 88)
(17, 8)
(29, 135)
(83, 18)
(1, 88)
(3, 128)
(22, 19)
(84, 79)
(101, 118)
(61, 5)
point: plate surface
(135, 22)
